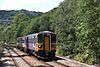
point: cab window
(40, 38)
(53, 38)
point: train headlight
(53, 45)
(40, 45)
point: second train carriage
(42, 44)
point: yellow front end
(45, 46)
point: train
(42, 44)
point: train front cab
(46, 44)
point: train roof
(46, 32)
(32, 34)
(40, 33)
(37, 34)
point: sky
(32, 5)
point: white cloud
(20, 4)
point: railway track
(57, 64)
(51, 63)
(32, 60)
(72, 63)
(35, 62)
(17, 59)
(21, 59)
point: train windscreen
(53, 38)
(40, 38)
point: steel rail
(16, 64)
(23, 59)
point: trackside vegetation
(75, 22)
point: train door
(27, 43)
(46, 42)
